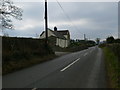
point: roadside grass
(112, 67)
(15, 65)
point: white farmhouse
(62, 37)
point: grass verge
(16, 65)
(113, 69)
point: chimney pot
(55, 28)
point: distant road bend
(84, 69)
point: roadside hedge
(18, 48)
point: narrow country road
(84, 69)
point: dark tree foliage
(91, 42)
(117, 41)
(110, 39)
(8, 10)
(79, 42)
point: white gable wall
(61, 43)
(50, 33)
(66, 36)
(67, 41)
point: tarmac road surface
(83, 69)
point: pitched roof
(42, 33)
(63, 32)
(59, 34)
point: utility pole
(84, 37)
(46, 24)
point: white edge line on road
(70, 65)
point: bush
(115, 48)
(102, 45)
(110, 39)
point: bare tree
(98, 41)
(8, 10)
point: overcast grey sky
(95, 19)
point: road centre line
(85, 54)
(91, 51)
(69, 65)
(34, 89)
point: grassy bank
(112, 66)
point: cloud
(68, 0)
(92, 18)
(28, 24)
(81, 22)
